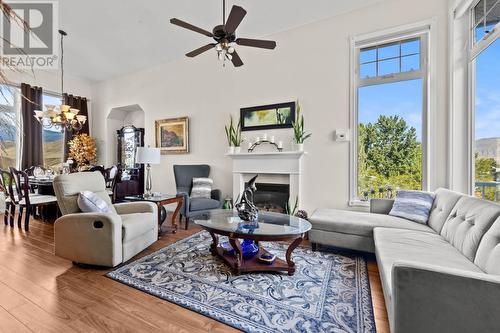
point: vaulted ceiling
(108, 38)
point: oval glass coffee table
(271, 227)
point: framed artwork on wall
(172, 135)
(267, 116)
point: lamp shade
(147, 155)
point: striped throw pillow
(413, 205)
(202, 188)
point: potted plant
(237, 138)
(299, 134)
(233, 135)
(229, 135)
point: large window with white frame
(389, 148)
(10, 126)
(485, 106)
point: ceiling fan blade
(236, 59)
(191, 27)
(200, 50)
(263, 44)
(234, 19)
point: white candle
(280, 144)
(272, 139)
(264, 137)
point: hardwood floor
(40, 292)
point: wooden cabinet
(130, 180)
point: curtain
(79, 103)
(32, 145)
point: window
(486, 87)
(53, 138)
(390, 103)
(10, 105)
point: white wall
(311, 63)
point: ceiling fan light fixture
(230, 50)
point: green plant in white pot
(229, 135)
(299, 134)
(237, 138)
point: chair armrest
(216, 195)
(89, 238)
(428, 298)
(381, 206)
(135, 207)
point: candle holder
(258, 143)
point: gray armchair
(184, 175)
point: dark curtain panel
(32, 147)
(79, 103)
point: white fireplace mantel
(288, 163)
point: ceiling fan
(225, 36)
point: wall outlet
(341, 135)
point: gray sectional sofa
(439, 277)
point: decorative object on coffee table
(272, 227)
(172, 135)
(246, 209)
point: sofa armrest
(429, 298)
(381, 206)
(89, 238)
(135, 207)
(216, 195)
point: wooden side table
(163, 199)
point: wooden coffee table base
(240, 265)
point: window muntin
(391, 58)
(486, 15)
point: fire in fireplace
(272, 197)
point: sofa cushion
(413, 205)
(359, 223)
(134, 225)
(468, 222)
(197, 204)
(202, 188)
(393, 245)
(89, 202)
(444, 202)
(488, 252)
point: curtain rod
(49, 92)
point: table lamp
(148, 156)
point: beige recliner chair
(103, 239)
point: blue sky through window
(488, 92)
(402, 99)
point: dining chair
(10, 205)
(27, 200)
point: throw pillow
(202, 188)
(413, 205)
(89, 202)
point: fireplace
(272, 197)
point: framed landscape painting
(172, 135)
(267, 116)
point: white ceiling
(107, 38)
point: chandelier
(64, 116)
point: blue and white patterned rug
(329, 292)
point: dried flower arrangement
(82, 149)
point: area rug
(329, 292)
